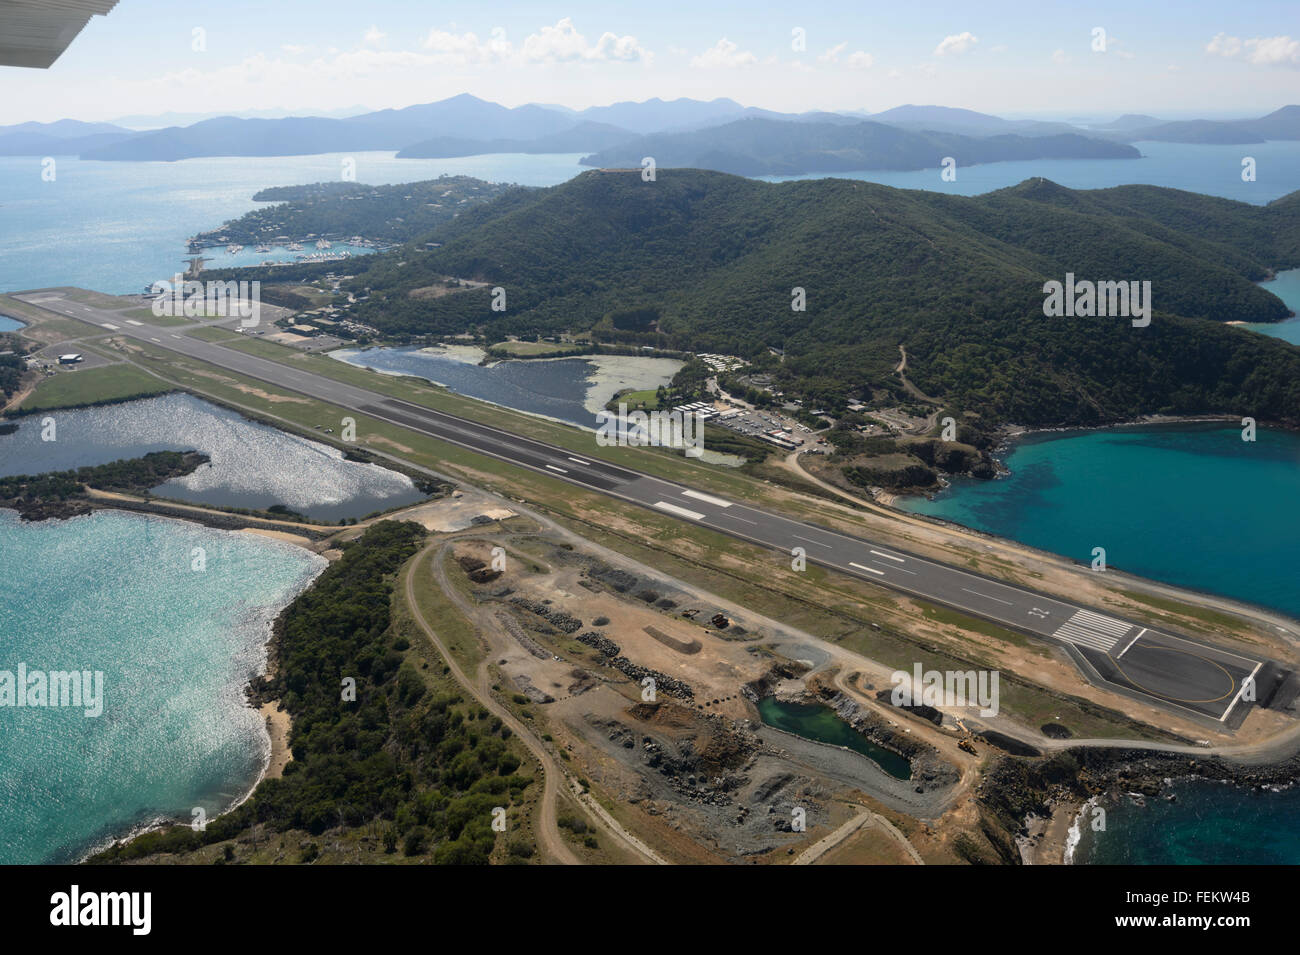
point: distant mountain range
(762, 147)
(67, 137)
(1280, 124)
(715, 134)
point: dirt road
(548, 833)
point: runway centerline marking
(880, 553)
(554, 468)
(810, 541)
(737, 517)
(987, 597)
(870, 570)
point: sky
(1048, 59)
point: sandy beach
(277, 727)
(1047, 839)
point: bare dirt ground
(692, 768)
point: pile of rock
(566, 623)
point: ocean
(1213, 170)
(1189, 504)
(1207, 823)
(115, 592)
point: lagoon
(571, 390)
(252, 465)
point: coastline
(1050, 840)
(275, 722)
(1019, 793)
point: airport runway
(1189, 676)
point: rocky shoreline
(1020, 793)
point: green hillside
(706, 261)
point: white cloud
(293, 49)
(956, 43)
(1224, 45)
(374, 36)
(858, 60)
(724, 53)
(562, 43)
(465, 48)
(832, 55)
(1261, 51)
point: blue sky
(1168, 58)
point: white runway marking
(1130, 643)
(580, 461)
(809, 540)
(879, 553)
(1244, 683)
(554, 468)
(1093, 630)
(111, 328)
(679, 511)
(987, 597)
(871, 570)
(132, 321)
(737, 517)
(707, 498)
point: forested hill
(707, 261)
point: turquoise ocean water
(1191, 504)
(117, 593)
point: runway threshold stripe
(1240, 690)
(1076, 631)
(679, 511)
(1129, 645)
(707, 498)
(1118, 627)
(870, 570)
